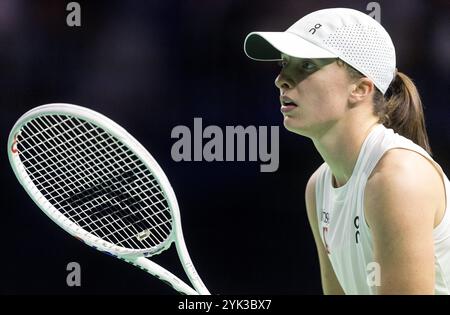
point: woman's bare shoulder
(403, 180)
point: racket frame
(133, 256)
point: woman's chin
(293, 125)
(290, 123)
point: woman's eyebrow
(305, 59)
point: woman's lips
(287, 108)
(287, 104)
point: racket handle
(162, 274)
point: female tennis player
(377, 206)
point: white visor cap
(347, 34)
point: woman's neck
(340, 146)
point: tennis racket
(99, 184)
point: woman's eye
(307, 65)
(282, 63)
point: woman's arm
(403, 197)
(330, 284)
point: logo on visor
(315, 28)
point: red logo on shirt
(324, 233)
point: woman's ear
(361, 90)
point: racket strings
(91, 192)
(94, 180)
(110, 233)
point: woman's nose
(282, 82)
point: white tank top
(343, 228)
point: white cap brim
(268, 46)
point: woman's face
(313, 94)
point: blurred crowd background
(153, 65)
